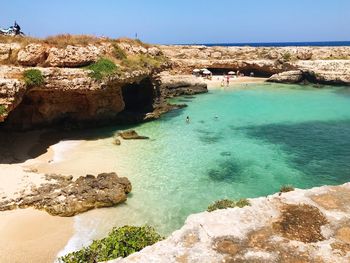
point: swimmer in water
(187, 119)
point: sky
(184, 21)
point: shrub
(33, 77)
(118, 52)
(102, 68)
(120, 242)
(2, 110)
(226, 203)
(286, 188)
(242, 203)
(287, 56)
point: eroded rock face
(172, 85)
(299, 226)
(7, 49)
(331, 64)
(32, 55)
(66, 197)
(75, 56)
(294, 76)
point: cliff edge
(300, 226)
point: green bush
(120, 242)
(226, 203)
(102, 68)
(287, 56)
(2, 110)
(286, 188)
(33, 78)
(118, 52)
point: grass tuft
(227, 203)
(102, 68)
(2, 110)
(286, 188)
(120, 242)
(33, 78)
(118, 52)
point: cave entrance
(139, 97)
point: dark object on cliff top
(33, 78)
(120, 242)
(131, 135)
(14, 30)
(226, 203)
(62, 196)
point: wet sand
(29, 235)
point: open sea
(240, 143)
(282, 44)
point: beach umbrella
(196, 70)
(204, 69)
(232, 73)
(206, 72)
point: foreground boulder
(65, 197)
(299, 226)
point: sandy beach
(29, 235)
(215, 82)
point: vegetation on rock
(102, 68)
(286, 188)
(227, 203)
(118, 52)
(33, 78)
(2, 110)
(120, 242)
(143, 61)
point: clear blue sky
(185, 21)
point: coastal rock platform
(299, 226)
(62, 196)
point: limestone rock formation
(76, 56)
(7, 49)
(300, 226)
(65, 197)
(32, 55)
(172, 85)
(131, 135)
(294, 76)
(331, 64)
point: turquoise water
(264, 136)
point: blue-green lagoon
(243, 142)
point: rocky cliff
(324, 65)
(298, 226)
(71, 93)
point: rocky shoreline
(298, 226)
(319, 65)
(62, 196)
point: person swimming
(188, 119)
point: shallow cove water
(244, 142)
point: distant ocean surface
(283, 44)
